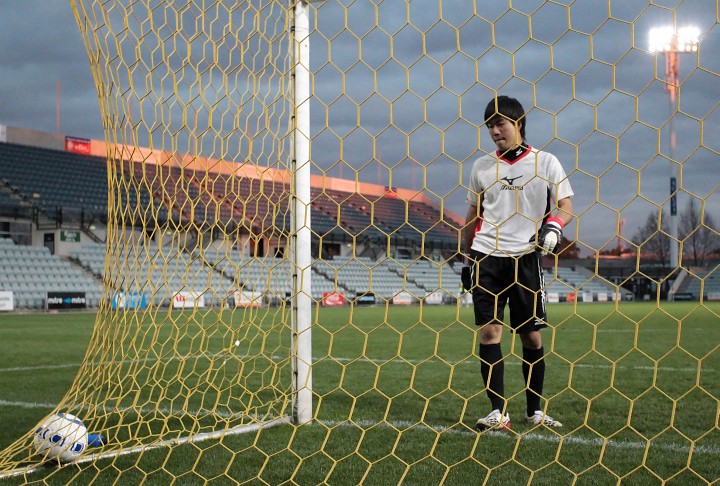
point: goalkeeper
(511, 195)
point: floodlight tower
(672, 42)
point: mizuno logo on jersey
(510, 184)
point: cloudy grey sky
(393, 88)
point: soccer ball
(62, 437)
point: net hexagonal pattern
(197, 100)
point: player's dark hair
(506, 107)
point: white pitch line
(510, 363)
(365, 424)
(376, 361)
(398, 424)
(7, 403)
(552, 438)
(148, 359)
(141, 410)
(38, 367)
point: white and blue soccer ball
(61, 437)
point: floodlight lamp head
(668, 39)
(687, 39)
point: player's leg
(533, 368)
(528, 316)
(492, 366)
(489, 302)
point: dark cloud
(393, 97)
(41, 47)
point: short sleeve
(474, 186)
(559, 180)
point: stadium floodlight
(667, 39)
(671, 42)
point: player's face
(505, 133)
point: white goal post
(301, 247)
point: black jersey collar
(513, 155)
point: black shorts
(520, 281)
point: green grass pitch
(398, 390)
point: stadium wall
(34, 138)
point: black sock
(533, 380)
(492, 368)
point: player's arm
(471, 221)
(565, 211)
(468, 235)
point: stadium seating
(564, 281)
(6, 199)
(336, 215)
(91, 257)
(30, 272)
(394, 274)
(411, 220)
(46, 178)
(168, 271)
(426, 276)
(271, 277)
(350, 276)
(705, 282)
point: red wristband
(555, 220)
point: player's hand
(549, 236)
(466, 277)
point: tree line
(698, 236)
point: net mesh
(196, 99)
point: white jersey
(517, 196)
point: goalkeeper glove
(549, 236)
(466, 277)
